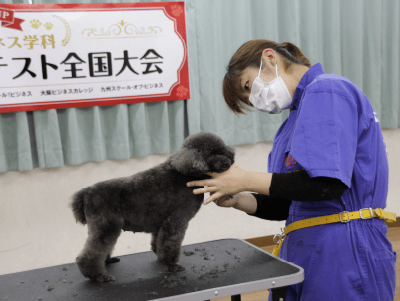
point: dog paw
(112, 260)
(176, 268)
(104, 278)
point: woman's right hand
(243, 201)
(230, 200)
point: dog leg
(154, 242)
(169, 241)
(98, 247)
(112, 259)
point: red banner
(6, 15)
(7, 18)
(76, 55)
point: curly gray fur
(154, 201)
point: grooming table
(214, 269)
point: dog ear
(230, 153)
(188, 162)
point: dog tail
(77, 206)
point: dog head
(201, 153)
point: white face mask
(271, 97)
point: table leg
(236, 298)
(279, 293)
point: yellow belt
(344, 217)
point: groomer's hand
(229, 182)
(239, 201)
(228, 201)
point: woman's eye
(246, 86)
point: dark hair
(249, 55)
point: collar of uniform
(307, 78)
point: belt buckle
(344, 221)
(370, 211)
(278, 237)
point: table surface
(213, 269)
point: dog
(155, 201)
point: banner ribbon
(7, 19)
(16, 25)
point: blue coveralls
(335, 133)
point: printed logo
(289, 161)
(7, 19)
(292, 164)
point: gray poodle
(154, 201)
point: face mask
(271, 97)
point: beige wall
(37, 228)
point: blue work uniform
(334, 132)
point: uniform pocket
(385, 275)
(321, 144)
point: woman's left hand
(222, 184)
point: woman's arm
(246, 202)
(273, 209)
(294, 186)
(299, 186)
(258, 205)
(263, 206)
(231, 182)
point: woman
(328, 157)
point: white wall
(37, 228)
